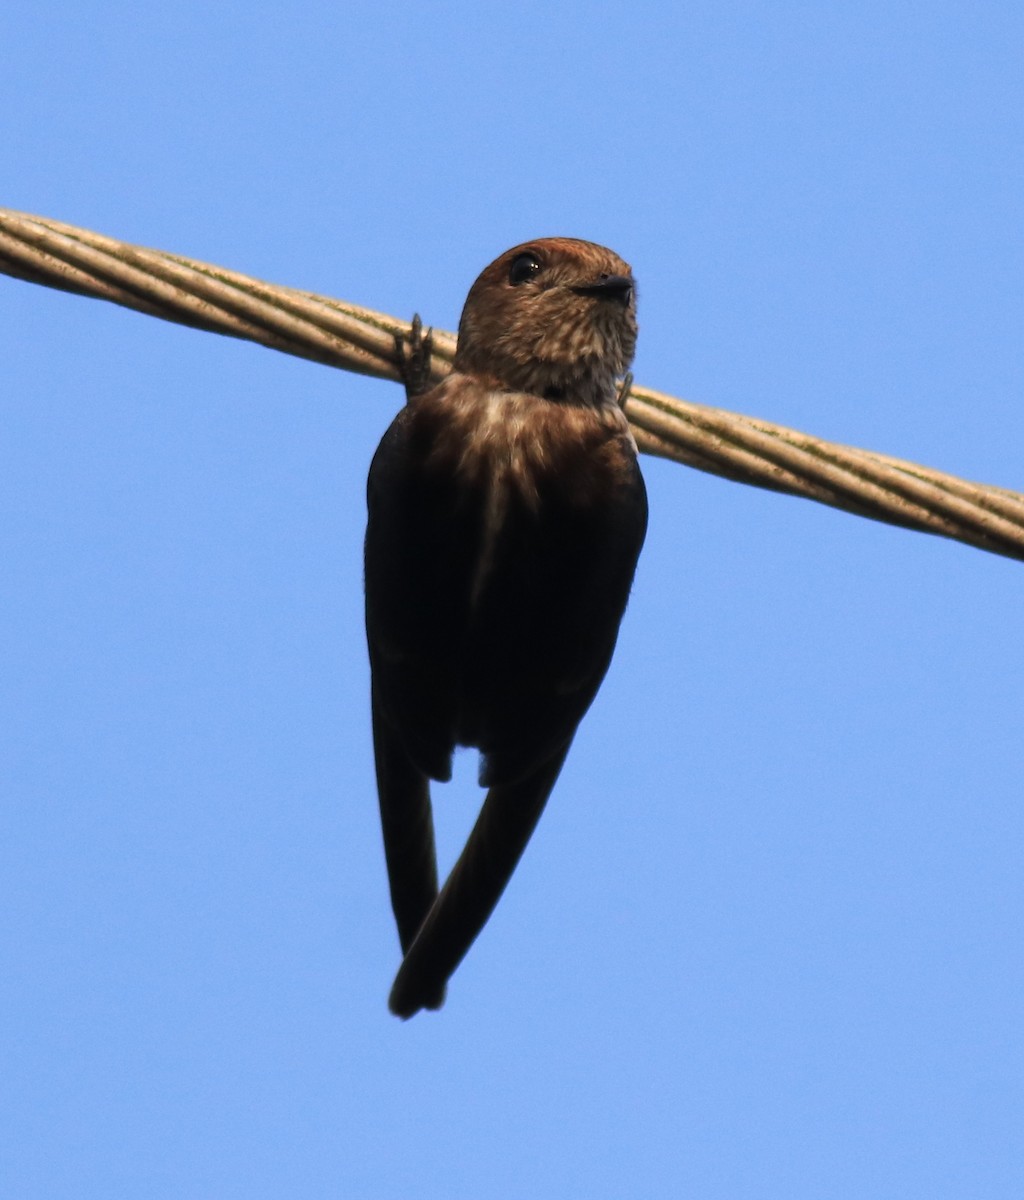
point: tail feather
(507, 820)
(407, 822)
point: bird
(506, 514)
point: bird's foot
(413, 353)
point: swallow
(506, 514)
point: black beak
(609, 287)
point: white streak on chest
(497, 449)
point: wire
(340, 334)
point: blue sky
(767, 941)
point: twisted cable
(340, 334)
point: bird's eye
(524, 267)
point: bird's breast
(528, 468)
(526, 447)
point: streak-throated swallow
(506, 516)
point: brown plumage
(506, 515)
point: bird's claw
(413, 355)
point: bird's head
(554, 317)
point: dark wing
(549, 620)
(414, 619)
(419, 548)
